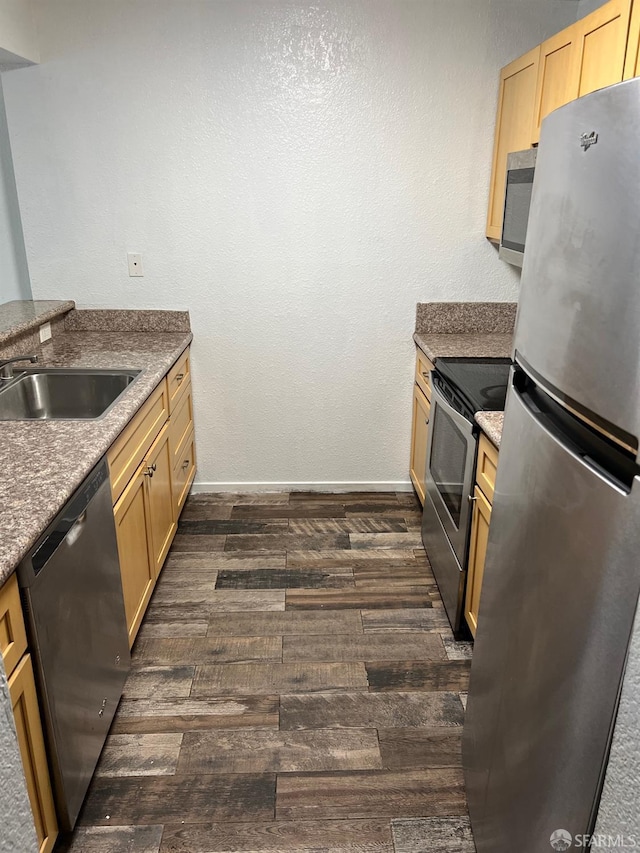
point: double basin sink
(62, 394)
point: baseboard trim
(342, 486)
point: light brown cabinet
(420, 423)
(480, 519)
(13, 638)
(600, 49)
(184, 472)
(159, 497)
(632, 57)
(419, 433)
(26, 714)
(486, 469)
(516, 107)
(150, 483)
(555, 85)
(132, 529)
(601, 46)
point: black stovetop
(480, 384)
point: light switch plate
(135, 264)
(45, 332)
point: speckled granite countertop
(43, 462)
(471, 345)
(491, 425)
(465, 329)
(22, 315)
(468, 330)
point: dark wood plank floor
(295, 687)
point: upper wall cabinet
(601, 49)
(632, 59)
(555, 76)
(516, 104)
(601, 46)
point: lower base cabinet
(157, 452)
(132, 529)
(477, 555)
(17, 663)
(183, 473)
(419, 432)
(486, 469)
(26, 713)
(420, 423)
(159, 497)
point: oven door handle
(463, 423)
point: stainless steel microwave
(517, 202)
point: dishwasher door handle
(76, 531)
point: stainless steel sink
(62, 394)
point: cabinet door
(162, 525)
(632, 58)
(132, 527)
(601, 42)
(477, 555)
(514, 125)
(419, 433)
(183, 474)
(26, 713)
(556, 84)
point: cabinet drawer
(131, 446)
(423, 369)
(13, 639)
(487, 467)
(183, 474)
(178, 378)
(180, 425)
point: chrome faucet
(6, 366)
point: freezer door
(579, 311)
(558, 600)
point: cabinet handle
(425, 373)
(471, 499)
(149, 472)
(179, 378)
(153, 467)
(426, 420)
(185, 464)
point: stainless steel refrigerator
(562, 575)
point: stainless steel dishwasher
(72, 592)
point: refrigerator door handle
(617, 467)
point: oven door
(451, 456)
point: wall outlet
(45, 332)
(135, 264)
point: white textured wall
(296, 174)
(14, 275)
(620, 804)
(18, 36)
(17, 832)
